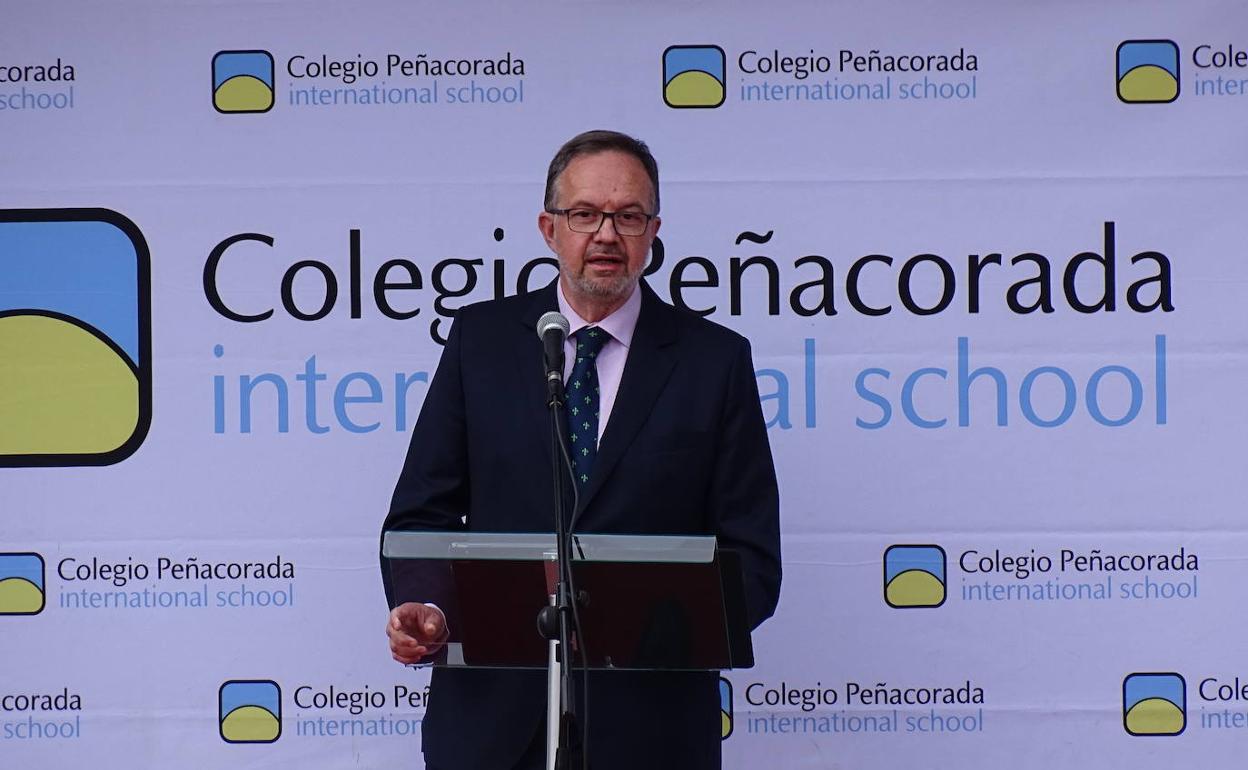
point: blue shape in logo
(75, 337)
(1158, 53)
(21, 584)
(901, 558)
(86, 270)
(699, 58)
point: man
(675, 441)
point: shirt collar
(620, 324)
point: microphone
(553, 328)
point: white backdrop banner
(991, 258)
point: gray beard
(615, 288)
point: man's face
(601, 267)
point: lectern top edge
(686, 549)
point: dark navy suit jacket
(685, 452)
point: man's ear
(546, 226)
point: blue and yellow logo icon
(725, 708)
(914, 576)
(21, 584)
(693, 76)
(75, 339)
(250, 711)
(1148, 71)
(242, 81)
(1154, 704)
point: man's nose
(607, 231)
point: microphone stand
(554, 621)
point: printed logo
(75, 337)
(725, 708)
(1148, 71)
(250, 711)
(914, 576)
(1154, 704)
(242, 81)
(693, 76)
(21, 584)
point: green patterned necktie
(581, 403)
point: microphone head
(553, 320)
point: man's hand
(416, 631)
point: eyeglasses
(590, 220)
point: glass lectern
(645, 601)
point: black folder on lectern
(648, 601)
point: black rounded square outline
(1178, 72)
(43, 592)
(1182, 707)
(884, 576)
(221, 717)
(212, 81)
(143, 367)
(663, 78)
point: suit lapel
(651, 357)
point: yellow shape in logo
(694, 89)
(243, 93)
(1148, 83)
(250, 724)
(20, 597)
(915, 588)
(1155, 716)
(62, 389)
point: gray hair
(593, 142)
